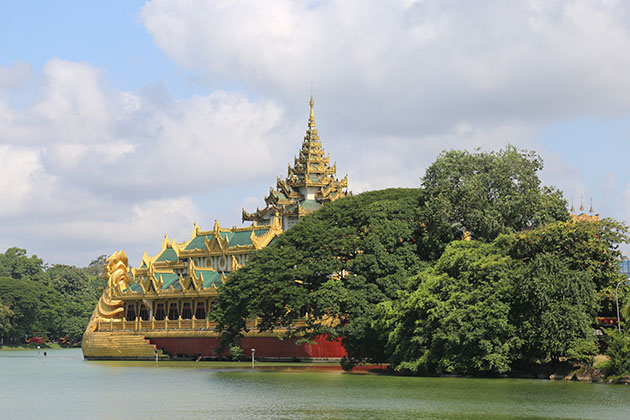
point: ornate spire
(311, 181)
(311, 118)
(583, 216)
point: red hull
(271, 348)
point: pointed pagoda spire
(591, 209)
(572, 208)
(311, 118)
(311, 181)
(582, 202)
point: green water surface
(64, 386)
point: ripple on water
(66, 387)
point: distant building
(624, 268)
(591, 215)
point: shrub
(619, 353)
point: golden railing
(168, 324)
(155, 325)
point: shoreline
(583, 374)
(21, 347)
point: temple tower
(310, 183)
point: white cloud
(14, 76)
(22, 180)
(90, 163)
(395, 84)
(411, 63)
(400, 81)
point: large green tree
(586, 246)
(528, 297)
(570, 271)
(23, 296)
(554, 308)
(484, 194)
(81, 293)
(456, 316)
(387, 271)
(16, 264)
(335, 265)
(6, 315)
(56, 301)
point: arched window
(144, 312)
(200, 313)
(173, 311)
(187, 311)
(131, 312)
(159, 312)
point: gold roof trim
(311, 169)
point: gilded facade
(310, 183)
(164, 304)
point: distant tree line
(54, 301)
(478, 271)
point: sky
(122, 121)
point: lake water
(64, 386)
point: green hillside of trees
(390, 273)
(55, 301)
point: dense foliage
(486, 308)
(619, 353)
(389, 272)
(618, 350)
(335, 265)
(485, 195)
(455, 316)
(52, 301)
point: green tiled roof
(199, 242)
(240, 238)
(209, 277)
(136, 287)
(168, 280)
(260, 232)
(168, 255)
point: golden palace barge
(163, 306)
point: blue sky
(108, 35)
(121, 121)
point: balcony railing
(166, 324)
(154, 325)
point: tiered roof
(174, 269)
(197, 266)
(309, 184)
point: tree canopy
(484, 308)
(54, 301)
(388, 272)
(484, 194)
(454, 317)
(335, 265)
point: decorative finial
(311, 118)
(582, 202)
(572, 208)
(591, 209)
